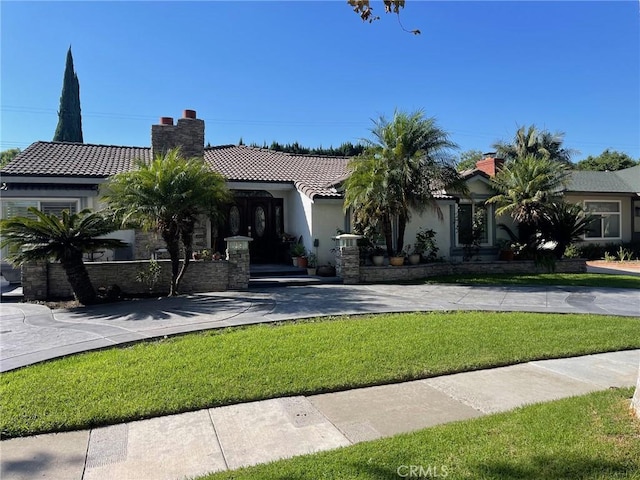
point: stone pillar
(35, 284)
(635, 401)
(238, 258)
(348, 258)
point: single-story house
(280, 196)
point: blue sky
(312, 72)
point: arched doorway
(258, 215)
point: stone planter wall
(43, 281)
(370, 274)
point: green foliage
(624, 255)
(607, 160)
(468, 160)
(525, 186)
(150, 276)
(298, 250)
(426, 245)
(571, 251)
(65, 239)
(543, 279)
(533, 142)
(346, 149)
(221, 367)
(472, 239)
(405, 163)
(69, 127)
(168, 195)
(563, 223)
(597, 251)
(7, 155)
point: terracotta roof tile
(74, 160)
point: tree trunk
(187, 241)
(402, 225)
(388, 236)
(170, 235)
(79, 280)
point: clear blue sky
(312, 72)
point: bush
(594, 251)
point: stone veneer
(370, 274)
(348, 264)
(42, 281)
(188, 134)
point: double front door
(261, 218)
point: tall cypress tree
(69, 127)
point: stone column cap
(238, 238)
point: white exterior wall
(328, 217)
(429, 220)
(297, 216)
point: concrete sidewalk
(230, 437)
(32, 333)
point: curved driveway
(32, 333)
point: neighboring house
(279, 193)
(612, 197)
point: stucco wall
(429, 220)
(626, 213)
(328, 217)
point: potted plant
(397, 259)
(425, 245)
(312, 264)
(377, 256)
(414, 255)
(297, 251)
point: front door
(260, 216)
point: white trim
(618, 213)
(39, 201)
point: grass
(568, 279)
(228, 366)
(588, 437)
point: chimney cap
(189, 114)
(489, 154)
(166, 120)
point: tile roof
(57, 159)
(312, 175)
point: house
(280, 195)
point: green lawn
(588, 437)
(264, 361)
(569, 279)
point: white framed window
(606, 224)
(19, 207)
(466, 212)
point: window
(606, 221)
(19, 208)
(467, 212)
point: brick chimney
(188, 134)
(490, 164)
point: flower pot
(396, 261)
(294, 260)
(378, 260)
(311, 271)
(414, 259)
(506, 255)
(302, 262)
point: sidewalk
(230, 437)
(33, 333)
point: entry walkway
(223, 438)
(33, 333)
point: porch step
(291, 281)
(275, 270)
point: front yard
(265, 361)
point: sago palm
(65, 239)
(168, 195)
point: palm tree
(168, 195)
(564, 223)
(65, 239)
(531, 141)
(524, 187)
(401, 170)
